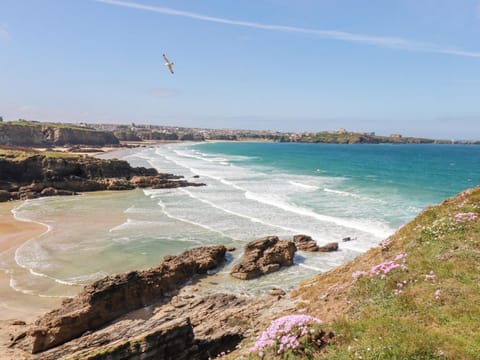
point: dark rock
(231, 248)
(5, 195)
(328, 247)
(348, 238)
(38, 175)
(305, 243)
(196, 176)
(264, 256)
(18, 322)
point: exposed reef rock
(31, 134)
(264, 256)
(328, 247)
(39, 175)
(114, 296)
(305, 243)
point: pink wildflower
(384, 244)
(384, 268)
(284, 332)
(437, 294)
(430, 276)
(465, 216)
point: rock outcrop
(264, 256)
(38, 135)
(328, 247)
(306, 243)
(38, 175)
(114, 296)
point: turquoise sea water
(253, 189)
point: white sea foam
(303, 186)
(132, 223)
(346, 193)
(164, 210)
(368, 227)
(248, 217)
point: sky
(398, 66)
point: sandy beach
(13, 233)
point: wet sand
(13, 233)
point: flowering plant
(298, 335)
(465, 216)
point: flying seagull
(168, 63)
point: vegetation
(22, 122)
(357, 138)
(21, 153)
(416, 296)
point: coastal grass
(20, 153)
(416, 296)
(47, 124)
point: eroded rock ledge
(39, 175)
(114, 296)
(157, 313)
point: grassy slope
(19, 154)
(372, 322)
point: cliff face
(44, 135)
(15, 135)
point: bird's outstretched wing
(168, 63)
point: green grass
(380, 319)
(19, 154)
(48, 124)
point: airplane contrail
(380, 41)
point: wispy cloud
(380, 41)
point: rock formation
(264, 256)
(38, 175)
(328, 247)
(144, 315)
(42, 135)
(306, 243)
(114, 296)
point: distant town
(142, 133)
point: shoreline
(13, 233)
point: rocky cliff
(37, 135)
(34, 175)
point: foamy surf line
(58, 281)
(28, 242)
(12, 284)
(368, 228)
(251, 218)
(164, 210)
(16, 216)
(303, 186)
(346, 193)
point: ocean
(327, 191)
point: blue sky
(396, 66)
